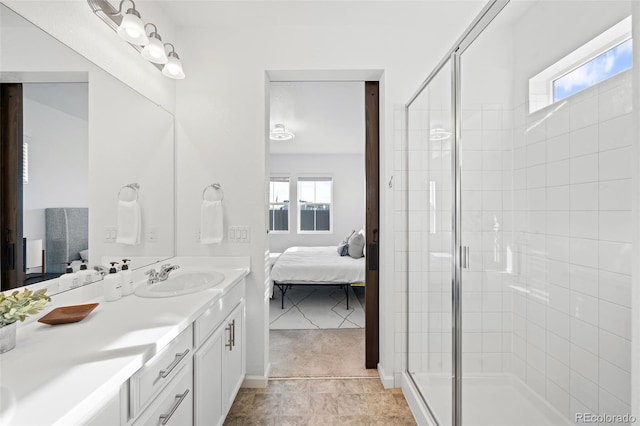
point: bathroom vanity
(171, 360)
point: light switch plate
(152, 235)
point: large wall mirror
(87, 162)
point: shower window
(604, 66)
(601, 58)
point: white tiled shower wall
(486, 173)
(572, 229)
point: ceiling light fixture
(439, 134)
(131, 28)
(280, 133)
(173, 67)
(154, 50)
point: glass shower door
(429, 166)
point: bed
(316, 266)
(67, 235)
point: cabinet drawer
(174, 405)
(212, 317)
(160, 369)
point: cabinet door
(207, 362)
(233, 356)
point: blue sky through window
(600, 68)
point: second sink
(181, 282)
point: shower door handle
(464, 257)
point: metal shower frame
(479, 24)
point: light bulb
(131, 28)
(173, 67)
(154, 51)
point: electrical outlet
(152, 235)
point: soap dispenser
(69, 279)
(127, 278)
(112, 284)
(85, 276)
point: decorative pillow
(343, 247)
(356, 245)
(364, 247)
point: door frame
(371, 79)
(11, 201)
(372, 176)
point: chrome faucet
(165, 270)
(101, 270)
(153, 276)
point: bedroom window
(279, 204)
(315, 204)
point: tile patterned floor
(320, 402)
(318, 353)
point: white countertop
(61, 374)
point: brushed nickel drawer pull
(233, 333)
(179, 398)
(164, 373)
(229, 344)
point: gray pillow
(356, 245)
(343, 247)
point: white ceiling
(326, 117)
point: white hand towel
(129, 222)
(211, 226)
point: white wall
(223, 121)
(635, 167)
(55, 125)
(347, 171)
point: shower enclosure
(519, 212)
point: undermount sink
(179, 283)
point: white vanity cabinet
(194, 379)
(219, 361)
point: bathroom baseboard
(386, 379)
(257, 381)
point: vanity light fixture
(131, 28)
(173, 67)
(154, 50)
(280, 133)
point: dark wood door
(372, 167)
(11, 245)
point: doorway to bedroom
(318, 180)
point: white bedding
(318, 265)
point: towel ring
(133, 187)
(215, 186)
